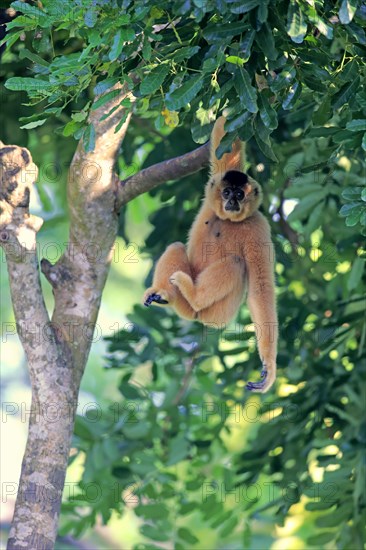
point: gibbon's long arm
(261, 300)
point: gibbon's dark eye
(226, 194)
(239, 194)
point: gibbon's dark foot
(258, 386)
(155, 298)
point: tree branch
(18, 230)
(154, 175)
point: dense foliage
(186, 444)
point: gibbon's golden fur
(229, 254)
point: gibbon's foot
(153, 297)
(259, 386)
(176, 278)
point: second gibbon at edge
(229, 255)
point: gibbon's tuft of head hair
(229, 161)
(232, 194)
(235, 178)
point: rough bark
(57, 349)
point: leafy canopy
(291, 78)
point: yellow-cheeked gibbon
(229, 255)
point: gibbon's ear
(229, 161)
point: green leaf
(225, 144)
(26, 84)
(228, 527)
(318, 505)
(296, 24)
(347, 11)
(89, 138)
(363, 195)
(235, 60)
(146, 49)
(90, 17)
(216, 33)
(104, 85)
(292, 96)
(322, 114)
(111, 449)
(152, 511)
(185, 53)
(266, 43)
(247, 92)
(129, 391)
(266, 111)
(354, 217)
(319, 23)
(178, 449)
(357, 34)
(352, 193)
(154, 533)
(82, 428)
(350, 71)
(266, 149)
(357, 125)
(136, 430)
(154, 79)
(105, 99)
(303, 208)
(262, 12)
(30, 10)
(356, 273)
(321, 538)
(237, 122)
(187, 536)
(302, 188)
(347, 209)
(33, 124)
(315, 218)
(363, 143)
(243, 7)
(345, 93)
(182, 96)
(97, 456)
(201, 126)
(246, 44)
(119, 38)
(121, 122)
(26, 54)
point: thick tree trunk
(43, 475)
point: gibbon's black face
(234, 191)
(233, 196)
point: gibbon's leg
(162, 291)
(262, 306)
(213, 284)
(221, 313)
